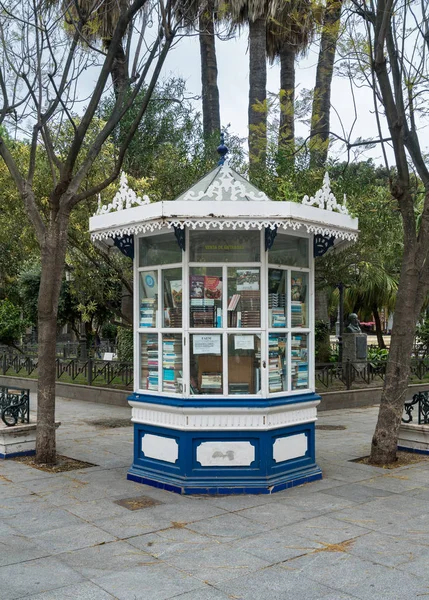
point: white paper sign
(244, 342)
(206, 344)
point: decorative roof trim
(224, 224)
(124, 198)
(225, 187)
(325, 199)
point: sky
(233, 78)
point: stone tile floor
(361, 532)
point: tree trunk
(210, 90)
(53, 254)
(287, 101)
(407, 310)
(380, 339)
(322, 314)
(119, 70)
(257, 94)
(127, 305)
(320, 117)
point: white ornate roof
(223, 185)
(223, 199)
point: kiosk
(224, 398)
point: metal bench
(14, 405)
(421, 399)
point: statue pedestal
(355, 349)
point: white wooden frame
(186, 332)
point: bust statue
(353, 325)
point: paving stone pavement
(360, 533)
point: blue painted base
(198, 461)
(414, 450)
(15, 454)
(226, 486)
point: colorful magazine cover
(196, 286)
(212, 287)
(176, 292)
(247, 279)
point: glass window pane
(160, 249)
(244, 364)
(172, 363)
(289, 250)
(148, 298)
(224, 246)
(172, 289)
(149, 361)
(277, 309)
(299, 361)
(244, 297)
(206, 364)
(299, 302)
(205, 291)
(277, 365)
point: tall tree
(254, 14)
(320, 116)
(290, 29)
(210, 90)
(396, 34)
(200, 15)
(42, 69)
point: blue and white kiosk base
(223, 446)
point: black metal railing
(348, 375)
(63, 349)
(112, 373)
(420, 400)
(331, 376)
(14, 405)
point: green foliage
(12, 326)
(422, 337)
(125, 344)
(109, 332)
(322, 341)
(377, 354)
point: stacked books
(203, 312)
(299, 363)
(149, 363)
(171, 363)
(297, 313)
(278, 317)
(250, 303)
(176, 317)
(148, 308)
(275, 371)
(232, 310)
(206, 301)
(276, 300)
(212, 382)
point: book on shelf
(148, 308)
(247, 279)
(238, 388)
(196, 286)
(211, 381)
(235, 298)
(212, 288)
(298, 289)
(277, 317)
(150, 284)
(176, 292)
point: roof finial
(222, 150)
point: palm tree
(210, 90)
(100, 26)
(254, 13)
(320, 118)
(290, 30)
